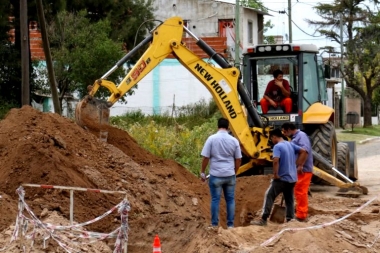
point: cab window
(311, 91)
(264, 72)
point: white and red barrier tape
(276, 236)
(46, 186)
(52, 231)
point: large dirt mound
(44, 148)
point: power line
(312, 35)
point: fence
(172, 111)
(66, 236)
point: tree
(255, 4)
(10, 52)
(124, 16)
(82, 53)
(361, 58)
(268, 39)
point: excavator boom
(223, 83)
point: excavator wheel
(324, 142)
(92, 113)
(344, 158)
(353, 169)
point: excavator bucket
(92, 113)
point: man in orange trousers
(304, 171)
(277, 93)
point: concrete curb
(369, 140)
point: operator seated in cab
(277, 94)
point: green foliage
(268, 39)
(255, 4)
(188, 116)
(362, 58)
(5, 106)
(372, 131)
(82, 53)
(10, 67)
(180, 139)
(124, 16)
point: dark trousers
(276, 187)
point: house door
(227, 29)
(225, 25)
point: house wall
(169, 83)
(203, 16)
(46, 105)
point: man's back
(222, 149)
(286, 151)
(301, 139)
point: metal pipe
(209, 50)
(128, 56)
(342, 175)
(190, 33)
(249, 106)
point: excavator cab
(301, 67)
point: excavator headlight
(261, 49)
(285, 48)
(268, 48)
(278, 48)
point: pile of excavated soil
(45, 148)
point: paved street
(369, 166)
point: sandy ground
(166, 199)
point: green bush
(179, 138)
(5, 106)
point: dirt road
(369, 166)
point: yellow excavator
(232, 97)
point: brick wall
(35, 44)
(219, 44)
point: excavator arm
(223, 83)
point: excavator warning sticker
(293, 117)
(224, 85)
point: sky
(301, 10)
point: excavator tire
(324, 142)
(344, 158)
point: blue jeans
(216, 185)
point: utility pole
(342, 95)
(24, 32)
(49, 62)
(290, 20)
(237, 34)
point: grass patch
(352, 137)
(373, 130)
(180, 138)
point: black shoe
(260, 222)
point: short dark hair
(277, 72)
(276, 132)
(223, 123)
(288, 126)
